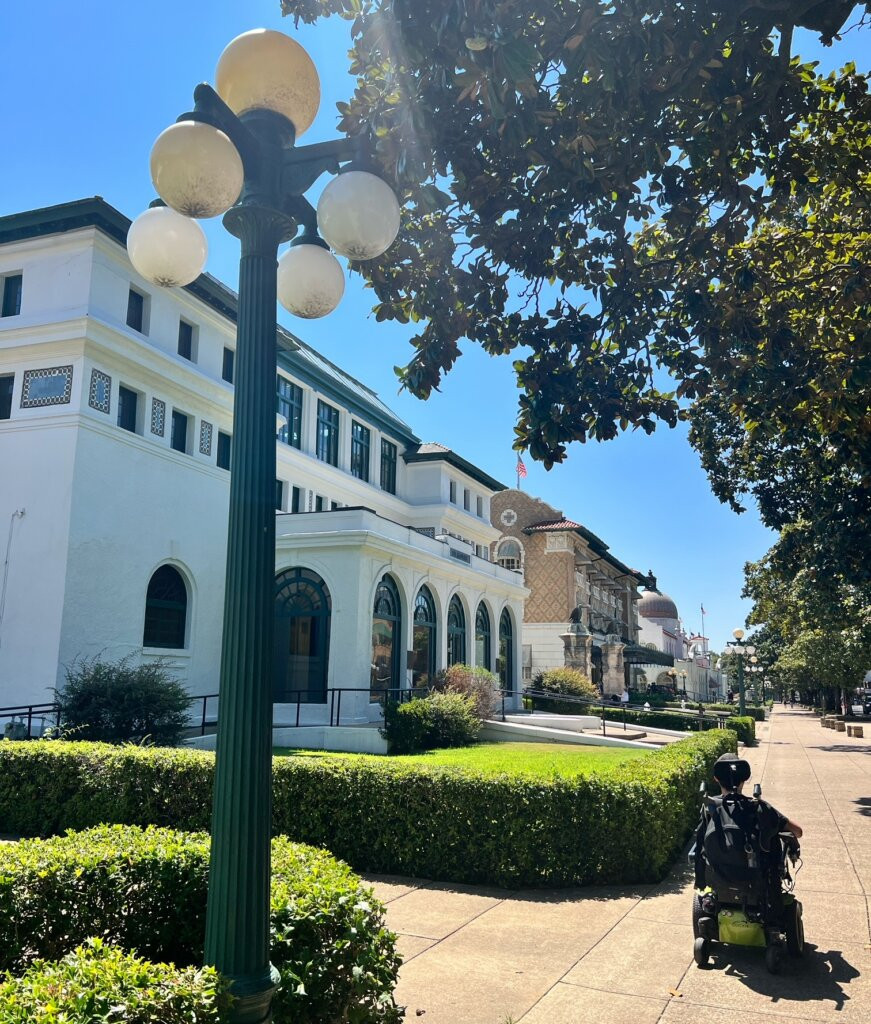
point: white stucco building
(116, 420)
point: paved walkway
(585, 956)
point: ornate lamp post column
(739, 650)
(235, 154)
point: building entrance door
(302, 637)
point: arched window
(456, 632)
(303, 610)
(509, 554)
(506, 651)
(482, 637)
(424, 643)
(166, 607)
(386, 630)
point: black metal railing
(704, 719)
(19, 719)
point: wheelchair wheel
(794, 928)
(697, 913)
(773, 959)
(701, 951)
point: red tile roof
(553, 524)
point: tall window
(166, 605)
(279, 495)
(388, 466)
(386, 629)
(328, 433)
(224, 443)
(509, 554)
(228, 365)
(452, 492)
(482, 637)
(456, 632)
(127, 405)
(185, 339)
(506, 651)
(296, 499)
(136, 310)
(303, 610)
(6, 384)
(178, 438)
(289, 406)
(424, 642)
(359, 451)
(11, 295)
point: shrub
(568, 681)
(98, 983)
(146, 890)
(119, 702)
(623, 824)
(744, 727)
(475, 682)
(425, 723)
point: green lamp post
(740, 650)
(235, 154)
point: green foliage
(566, 681)
(387, 816)
(95, 983)
(118, 702)
(475, 682)
(146, 890)
(438, 720)
(745, 727)
(756, 713)
(601, 190)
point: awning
(635, 654)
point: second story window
(185, 340)
(179, 434)
(328, 433)
(467, 499)
(11, 295)
(360, 451)
(136, 311)
(288, 403)
(223, 450)
(228, 365)
(388, 466)
(479, 507)
(452, 492)
(128, 402)
(296, 500)
(6, 383)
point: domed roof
(655, 605)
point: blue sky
(88, 86)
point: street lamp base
(253, 998)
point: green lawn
(541, 760)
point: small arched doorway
(303, 610)
(506, 651)
(386, 631)
(424, 638)
(482, 637)
(456, 632)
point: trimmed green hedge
(686, 722)
(621, 824)
(145, 890)
(96, 983)
(430, 723)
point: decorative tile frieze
(100, 391)
(158, 416)
(205, 438)
(50, 386)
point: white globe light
(310, 281)
(167, 248)
(264, 69)
(358, 214)
(196, 169)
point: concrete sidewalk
(584, 956)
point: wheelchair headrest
(731, 770)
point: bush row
(750, 711)
(620, 824)
(96, 982)
(145, 890)
(744, 727)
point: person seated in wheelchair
(741, 844)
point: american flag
(703, 610)
(521, 469)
